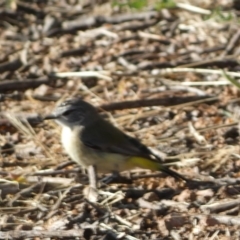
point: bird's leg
(92, 175)
(91, 192)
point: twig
(12, 85)
(170, 101)
(220, 206)
(42, 234)
(232, 43)
(200, 138)
(24, 191)
(55, 181)
(102, 75)
(227, 220)
(107, 227)
(192, 8)
(173, 86)
(197, 70)
(56, 206)
(112, 197)
(11, 66)
(163, 205)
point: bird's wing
(105, 137)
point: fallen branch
(42, 234)
(22, 85)
(170, 101)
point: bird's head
(73, 112)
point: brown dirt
(158, 75)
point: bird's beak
(50, 116)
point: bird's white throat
(66, 137)
(71, 143)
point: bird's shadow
(190, 184)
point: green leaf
(137, 4)
(165, 4)
(232, 80)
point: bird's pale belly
(85, 156)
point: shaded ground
(164, 71)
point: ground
(167, 76)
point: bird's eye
(67, 113)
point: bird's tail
(153, 165)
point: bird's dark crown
(74, 104)
(73, 112)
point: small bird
(91, 140)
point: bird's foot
(91, 193)
(115, 177)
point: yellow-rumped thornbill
(91, 140)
